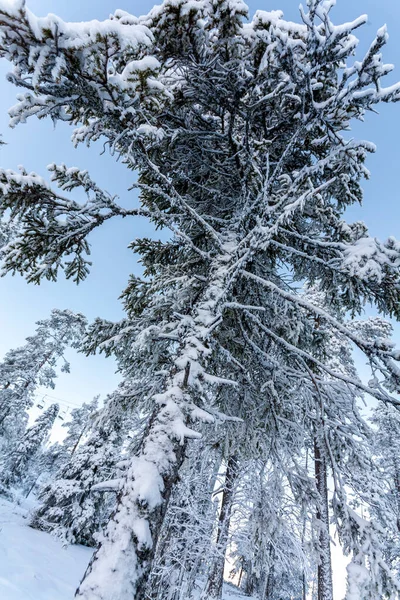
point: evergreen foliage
(26, 368)
(70, 508)
(16, 464)
(237, 130)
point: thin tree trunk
(249, 581)
(303, 536)
(215, 580)
(269, 588)
(396, 480)
(397, 486)
(324, 574)
(78, 440)
(32, 486)
(304, 586)
(240, 577)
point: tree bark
(269, 587)
(215, 580)
(324, 575)
(396, 478)
(250, 579)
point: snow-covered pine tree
(43, 468)
(343, 448)
(80, 424)
(268, 553)
(183, 548)
(386, 419)
(51, 460)
(70, 508)
(236, 130)
(26, 368)
(15, 466)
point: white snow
(33, 564)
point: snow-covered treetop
(237, 131)
(122, 78)
(34, 363)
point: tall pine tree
(236, 130)
(16, 464)
(35, 364)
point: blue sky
(37, 143)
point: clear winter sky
(37, 144)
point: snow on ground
(33, 564)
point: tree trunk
(324, 575)
(269, 587)
(396, 479)
(250, 579)
(215, 580)
(130, 541)
(122, 564)
(32, 486)
(78, 440)
(304, 586)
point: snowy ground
(34, 565)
